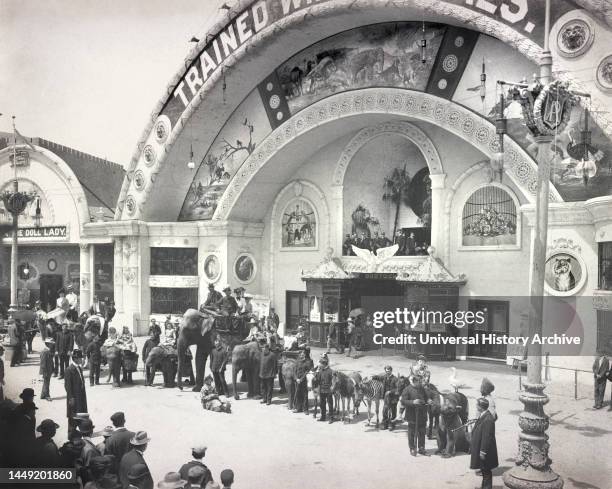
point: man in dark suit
(46, 453)
(118, 444)
(601, 366)
(484, 447)
(74, 383)
(139, 444)
(198, 454)
(97, 307)
(64, 342)
(46, 367)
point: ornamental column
(84, 276)
(118, 274)
(437, 211)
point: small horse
(372, 390)
(343, 388)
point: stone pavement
(267, 446)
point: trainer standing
(74, 383)
(484, 447)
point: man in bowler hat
(135, 456)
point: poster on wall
(299, 225)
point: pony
(343, 388)
(373, 391)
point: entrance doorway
(296, 309)
(496, 322)
(49, 288)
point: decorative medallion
(52, 265)
(459, 41)
(450, 63)
(245, 268)
(212, 268)
(274, 101)
(162, 129)
(604, 74)
(564, 273)
(149, 155)
(130, 205)
(139, 180)
(575, 38)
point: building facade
(72, 189)
(297, 129)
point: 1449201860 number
(36, 475)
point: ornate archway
(418, 106)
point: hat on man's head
(46, 426)
(76, 353)
(196, 473)
(85, 426)
(422, 357)
(483, 403)
(172, 480)
(227, 287)
(70, 287)
(388, 367)
(324, 361)
(140, 438)
(199, 451)
(137, 472)
(81, 416)
(486, 387)
(107, 431)
(27, 394)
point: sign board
(21, 156)
(524, 16)
(43, 233)
(174, 281)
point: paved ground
(267, 446)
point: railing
(547, 377)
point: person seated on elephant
(253, 324)
(246, 309)
(301, 338)
(170, 335)
(210, 398)
(154, 327)
(227, 304)
(130, 357)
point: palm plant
(395, 189)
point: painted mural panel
(376, 55)
(238, 138)
(566, 171)
(299, 225)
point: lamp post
(15, 203)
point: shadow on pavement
(582, 485)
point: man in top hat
(74, 383)
(73, 304)
(135, 456)
(172, 480)
(46, 453)
(118, 443)
(213, 297)
(198, 454)
(47, 367)
(483, 446)
(414, 398)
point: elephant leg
(281, 382)
(234, 377)
(180, 351)
(201, 356)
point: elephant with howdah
(196, 329)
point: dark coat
(415, 412)
(130, 459)
(212, 298)
(389, 382)
(267, 366)
(599, 372)
(185, 469)
(483, 440)
(46, 363)
(46, 453)
(118, 444)
(218, 359)
(324, 380)
(64, 342)
(74, 383)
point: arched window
(489, 218)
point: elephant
(288, 374)
(246, 358)
(114, 357)
(164, 359)
(195, 329)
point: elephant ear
(207, 324)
